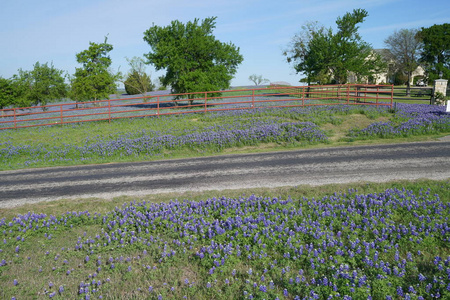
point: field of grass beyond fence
(206, 134)
(353, 241)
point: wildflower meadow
(392, 244)
(391, 241)
(205, 134)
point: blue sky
(55, 30)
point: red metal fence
(200, 102)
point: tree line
(194, 60)
(328, 57)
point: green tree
(192, 57)
(257, 79)
(8, 93)
(307, 52)
(321, 54)
(405, 50)
(94, 80)
(39, 86)
(436, 50)
(137, 80)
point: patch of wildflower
(351, 246)
(411, 119)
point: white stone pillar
(440, 85)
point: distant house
(280, 83)
(388, 75)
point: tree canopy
(8, 93)
(193, 58)
(436, 50)
(326, 56)
(405, 48)
(39, 86)
(137, 80)
(93, 80)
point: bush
(138, 83)
(400, 78)
(439, 98)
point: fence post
(392, 95)
(15, 120)
(253, 98)
(109, 110)
(157, 106)
(378, 94)
(206, 99)
(348, 94)
(61, 114)
(303, 96)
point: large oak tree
(193, 58)
(323, 55)
(436, 50)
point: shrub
(439, 98)
(138, 83)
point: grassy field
(208, 134)
(354, 241)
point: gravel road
(378, 163)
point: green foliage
(137, 81)
(436, 50)
(308, 50)
(138, 84)
(439, 98)
(192, 57)
(93, 81)
(7, 93)
(39, 86)
(322, 54)
(400, 78)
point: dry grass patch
(351, 121)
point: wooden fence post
(15, 120)
(206, 100)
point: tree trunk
(408, 85)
